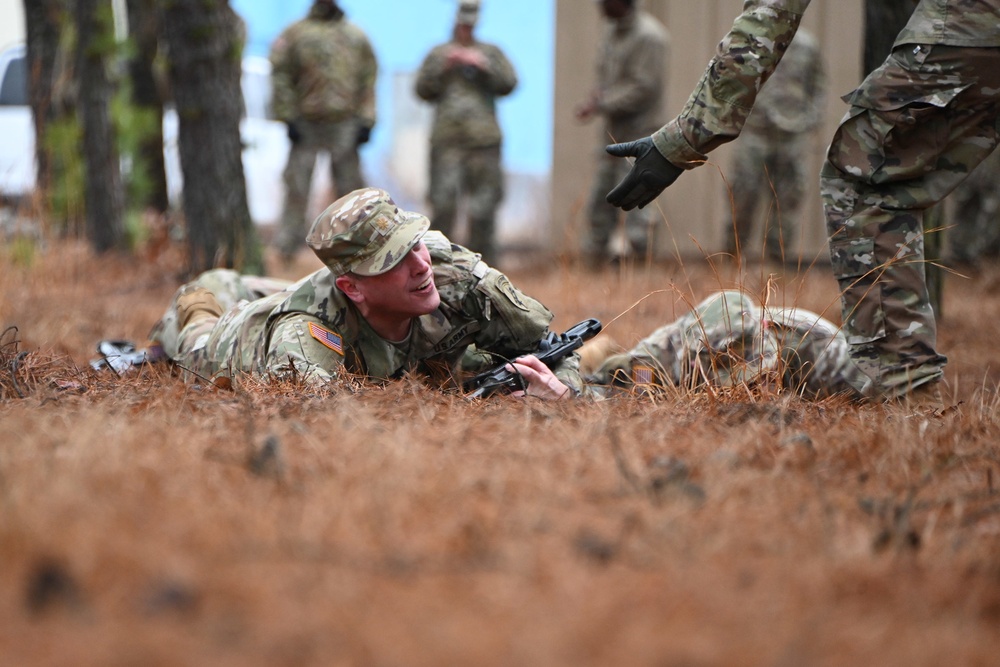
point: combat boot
(195, 304)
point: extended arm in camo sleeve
(718, 108)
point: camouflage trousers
(605, 218)
(729, 340)
(474, 173)
(340, 141)
(187, 347)
(767, 172)
(917, 126)
(974, 232)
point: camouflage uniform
(770, 159)
(631, 76)
(729, 340)
(917, 125)
(309, 329)
(323, 77)
(465, 139)
(974, 233)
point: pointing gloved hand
(649, 176)
(293, 132)
(364, 134)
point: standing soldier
(323, 75)
(916, 126)
(631, 75)
(770, 158)
(463, 78)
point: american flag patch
(642, 375)
(327, 337)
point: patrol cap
(468, 12)
(364, 232)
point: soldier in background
(975, 214)
(463, 78)
(771, 158)
(631, 76)
(323, 78)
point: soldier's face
(406, 290)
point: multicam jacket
(313, 331)
(630, 76)
(465, 96)
(323, 71)
(746, 57)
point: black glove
(649, 176)
(293, 132)
(364, 134)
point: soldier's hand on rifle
(539, 378)
(649, 176)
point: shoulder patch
(509, 291)
(328, 338)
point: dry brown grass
(148, 522)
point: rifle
(552, 349)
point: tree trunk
(103, 192)
(144, 28)
(43, 21)
(203, 44)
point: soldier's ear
(349, 286)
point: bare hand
(461, 55)
(542, 382)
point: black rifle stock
(551, 350)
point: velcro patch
(328, 338)
(383, 224)
(509, 291)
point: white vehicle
(17, 149)
(265, 141)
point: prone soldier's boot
(194, 304)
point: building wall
(693, 210)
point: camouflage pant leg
(604, 217)
(769, 170)
(297, 178)
(339, 140)
(484, 192)
(228, 287)
(476, 174)
(886, 165)
(445, 187)
(976, 214)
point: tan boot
(195, 304)
(594, 352)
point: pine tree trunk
(144, 27)
(202, 39)
(43, 20)
(103, 193)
